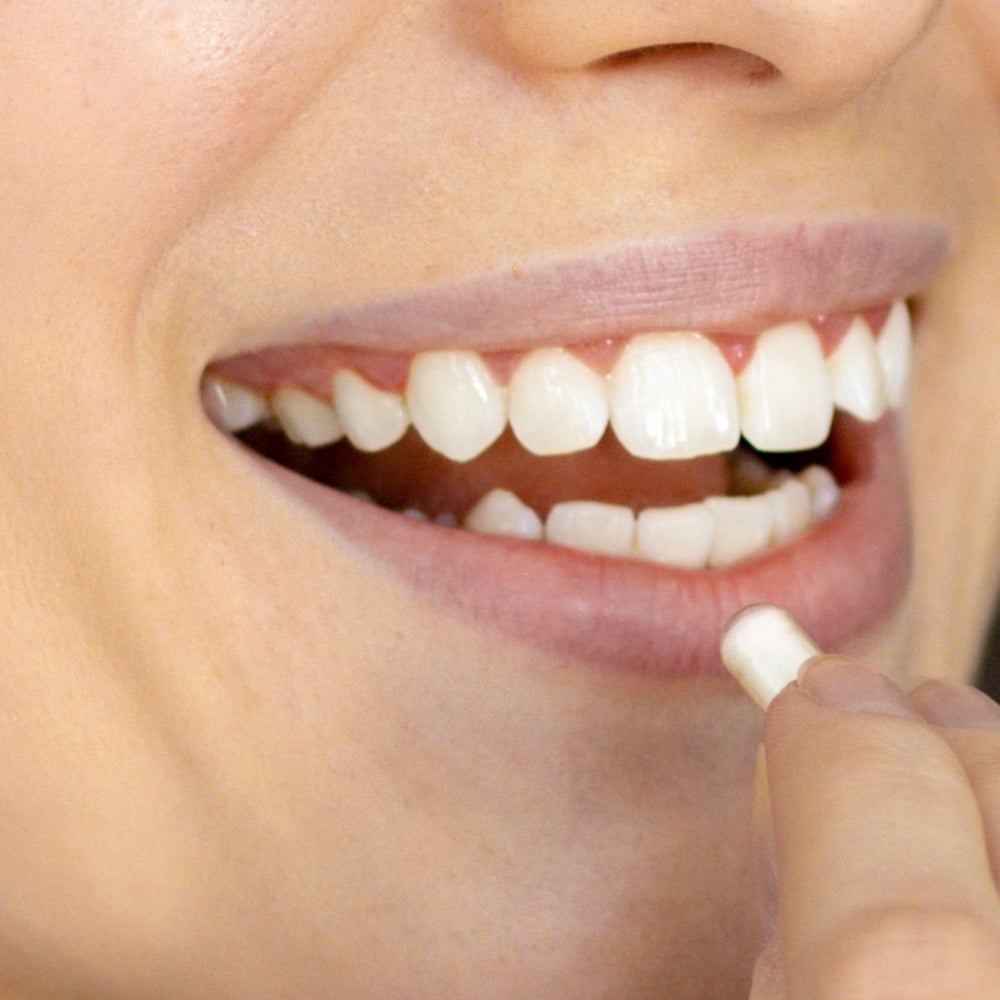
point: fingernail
(956, 705)
(844, 684)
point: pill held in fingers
(763, 647)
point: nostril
(706, 58)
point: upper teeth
(668, 396)
(371, 418)
(556, 403)
(455, 403)
(673, 396)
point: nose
(809, 52)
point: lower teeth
(762, 507)
(713, 533)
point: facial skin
(238, 756)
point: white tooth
(500, 512)
(742, 528)
(823, 491)
(234, 407)
(672, 396)
(556, 403)
(455, 403)
(304, 418)
(856, 374)
(373, 418)
(791, 509)
(415, 514)
(894, 346)
(361, 495)
(786, 402)
(676, 536)
(593, 527)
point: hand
(880, 816)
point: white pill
(763, 647)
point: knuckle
(911, 953)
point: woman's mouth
(615, 500)
(676, 448)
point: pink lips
(838, 580)
(723, 281)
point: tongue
(412, 475)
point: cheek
(122, 118)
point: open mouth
(682, 449)
(550, 452)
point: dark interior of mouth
(411, 475)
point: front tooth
(373, 419)
(894, 346)
(306, 419)
(791, 510)
(672, 396)
(856, 374)
(500, 512)
(455, 403)
(234, 407)
(593, 527)
(676, 536)
(556, 403)
(742, 528)
(786, 402)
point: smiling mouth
(684, 449)
(603, 458)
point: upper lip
(735, 280)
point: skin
(237, 759)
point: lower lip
(840, 579)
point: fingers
(885, 886)
(969, 722)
